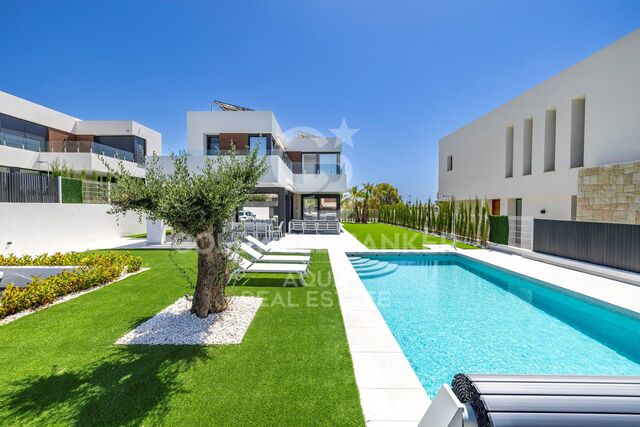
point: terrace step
(354, 258)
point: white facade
(305, 171)
(12, 155)
(605, 85)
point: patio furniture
(295, 226)
(265, 249)
(310, 226)
(262, 229)
(257, 256)
(314, 226)
(278, 232)
(246, 266)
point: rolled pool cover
(550, 400)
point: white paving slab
(390, 392)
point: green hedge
(71, 190)
(94, 269)
(499, 229)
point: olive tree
(194, 203)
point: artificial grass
(387, 236)
(61, 366)
(144, 235)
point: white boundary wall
(48, 227)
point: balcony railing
(91, 147)
(26, 143)
(298, 168)
(23, 142)
(301, 168)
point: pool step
(367, 263)
(389, 269)
(371, 268)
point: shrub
(499, 229)
(71, 190)
(94, 269)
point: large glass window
(263, 141)
(329, 163)
(140, 149)
(320, 207)
(328, 208)
(126, 147)
(309, 163)
(310, 207)
(20, 133)
(213, 145)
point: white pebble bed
(176, 325)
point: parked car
(246, 216)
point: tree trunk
(212, 276)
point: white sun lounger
(266, 249)
(289, 259)
(247, 266)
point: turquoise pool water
(452, 314)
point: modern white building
(305, 178)
(32, 137)
(569, 148)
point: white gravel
(176, 325)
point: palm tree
(354, 195)
(367, 194)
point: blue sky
(405, 73)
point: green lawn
(61, 366)
(386, 236)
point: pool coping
(390, 392)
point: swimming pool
(452, 314)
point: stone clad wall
(609, 193)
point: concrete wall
(610, 194)
(607, 80)
(49, 227)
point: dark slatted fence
(611, 245)
(28, 188)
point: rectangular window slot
(550, 140)
(508, 167)
(577, 132)
(527, 146)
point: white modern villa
(567, 149)
(32, 137)
(34, 140)
(305, 178)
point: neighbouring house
(41, 213)
(305, 178)
(567, 149)
(32, 137)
